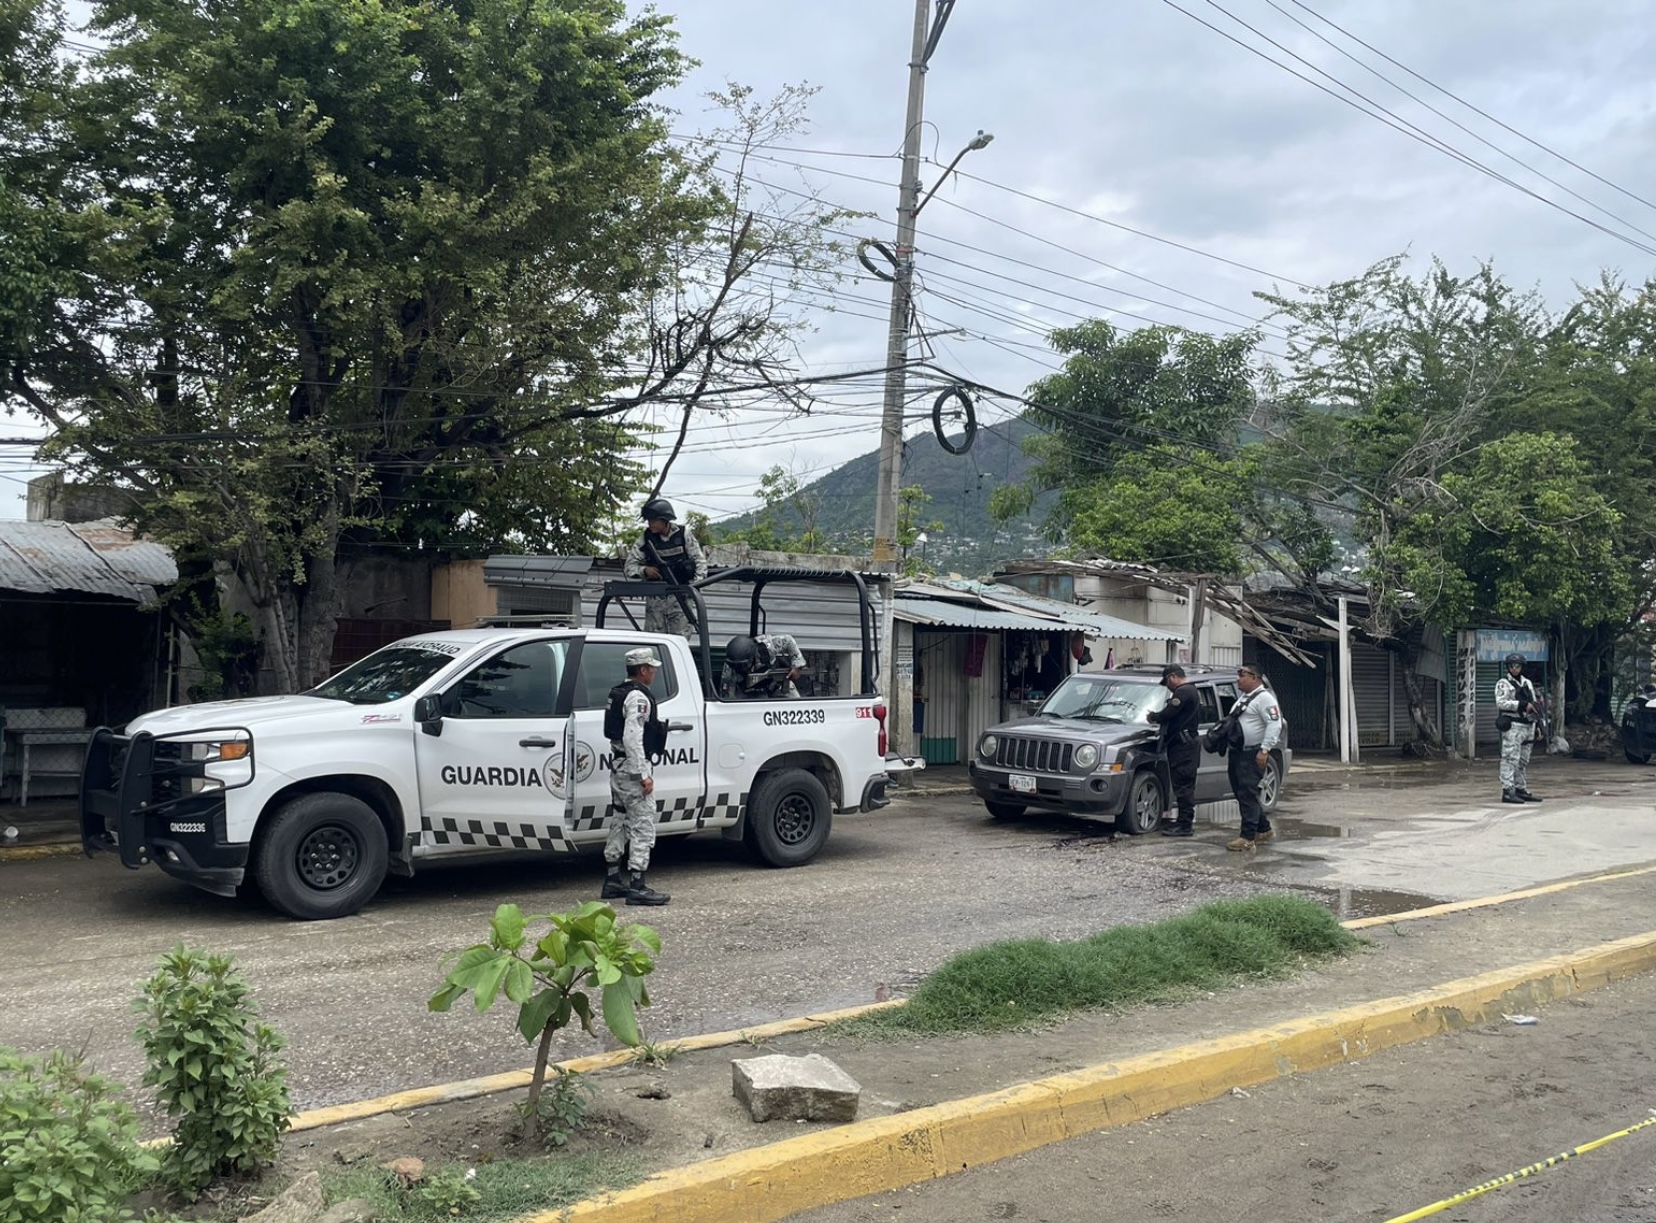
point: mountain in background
(967, 542)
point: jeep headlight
(987, 746)
(1086, 756)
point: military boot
(641, 893)
(1510, 796)
(615, 882)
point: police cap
(644, 656)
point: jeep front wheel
(788, 817)
(1003, 811)
(322, 856)
(1145, 805)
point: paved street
(893, 895)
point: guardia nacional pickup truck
(477, 741)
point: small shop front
(976, 666)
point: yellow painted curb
(773, 1182)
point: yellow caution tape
(1499, 1181)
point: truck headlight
(208, 753)
(987, 746)
(1086, 756)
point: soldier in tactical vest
(635, 735)
(666, 553)
(1516, 711)
(766, 667)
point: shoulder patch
(1275, 713)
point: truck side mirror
(428, 712)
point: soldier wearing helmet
(666, 552)
(1517, 710)
(764, 667)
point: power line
(1416, 98)
(1469, 106)
(1382, 115)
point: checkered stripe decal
(684, 811)
(496, 834)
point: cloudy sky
(1148, 169)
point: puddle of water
(1348, 903)
(1300, 830)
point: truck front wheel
(788, 818)
(323, 856)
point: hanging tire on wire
(968, 412)
(890, 256)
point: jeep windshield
(386, 675)
(1104, 698)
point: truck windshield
(1102, 698)
(385, 675)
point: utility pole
(897, 337)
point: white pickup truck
(468, 742)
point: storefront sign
(1495, 644)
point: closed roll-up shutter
(1372, 687)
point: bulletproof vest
(655, 731)
(671, 554)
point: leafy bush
(584, 948)
(560, 1109)
(214, 1067)
(71, 1152)
(449, 1193)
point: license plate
(1023, 783)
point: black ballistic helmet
(1515, 660)
(741, 653)
(658, 507)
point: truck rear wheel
(322, 856)
(788, 818)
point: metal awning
(101, 558)
(1029, 617)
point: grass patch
(1020, 982)
(506, 1188)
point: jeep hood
(1046, 726)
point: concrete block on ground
(301, 1202)
(809, 1088)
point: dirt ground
(667, 1116)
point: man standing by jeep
(1178, 720)
(1516, 708)
(1259, 723)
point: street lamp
(980, 141)
(921, 540)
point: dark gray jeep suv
(1091, 750)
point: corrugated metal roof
(93, 557)
(535, 570)
(961, 603)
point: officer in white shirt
(1260, 719)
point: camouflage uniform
(632, 830)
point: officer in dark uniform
(1178, 720)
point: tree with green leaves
(1142, 439)
(373, 275)
(1392, 385)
